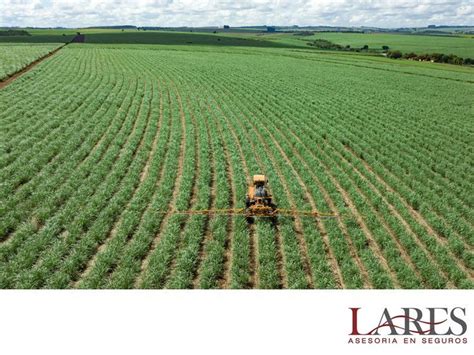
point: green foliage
(101, 142)
(324, 44)
(435, 57)
(394, 54)
(14, 57)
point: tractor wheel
(274, 221)
(247, 202)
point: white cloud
(71, 13)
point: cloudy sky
(382, 13)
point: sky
(173, 13)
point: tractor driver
(260, 191)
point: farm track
(13, 77)
(96, 211)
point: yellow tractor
(258, 202)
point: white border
(207, 322)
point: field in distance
(100, 142)
(460, 45)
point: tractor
(258, 202)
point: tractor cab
(259, 182)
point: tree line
(433, 57)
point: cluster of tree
(433, 57)
(14, 33)
(325, 44)
(395, 54)
(303, 33)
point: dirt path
(30, 66)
